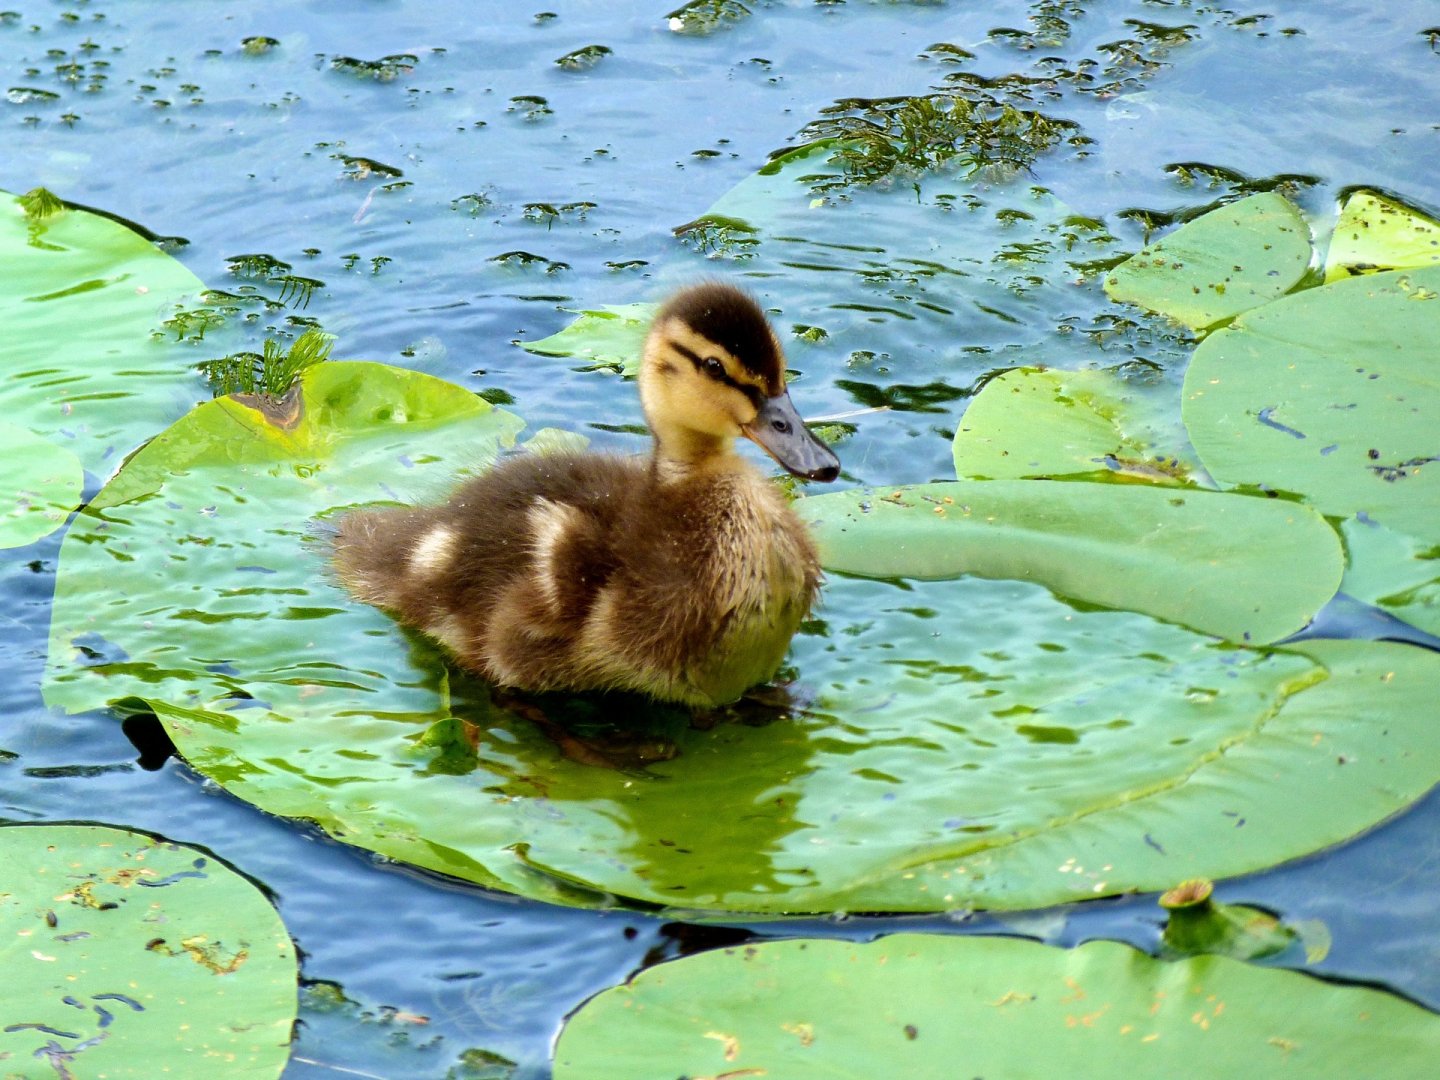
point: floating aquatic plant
(1233, 259)
(583, 59)
(549, 213)
(258, 45)
(528, 260)
(363, 168)
(530, 107)
(385, 69)
(39, 204)
(1196, 924)
(80, 294)
(706, 16)
(719, 236)
(271, 372)
(878, 139)
(473, 203)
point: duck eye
(782, 426)
(713, 366)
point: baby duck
(682, 575)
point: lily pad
(1038, 422)
(985, 725)
(1331, 394)
(44, 483)
(1375, 233)
(213, 523)
(128, 956)
(80, 296)
(1230, 260)
(985, 744)
(927, 1005)
(1218, 563)
(610, 336)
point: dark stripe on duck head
(714, 368)
(733, 320)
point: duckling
(681, 575)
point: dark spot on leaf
(124, 999)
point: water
(190, 136)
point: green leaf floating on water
(610, 336)
(80, 295)
(127, 956)
(1228, 261)
(980, 743)
(926, 1005)
(1034, 422)
(1376, 233)
(1333, 394)
(1223, 564)
(42, 484)
(214, 522)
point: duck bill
(781, 433)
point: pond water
(395, 153)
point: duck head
(712, 371)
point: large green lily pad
(42, 484)
(1218, 563)
(984, 745)
(80, 296)
(1332, 394)
(127, 956)
(1227, 261)
(1375, 233)
(213, 523)
(1039, 422)
(983, 725)
(926, 1005)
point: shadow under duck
(682, 575)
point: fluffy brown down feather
(643, 589)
